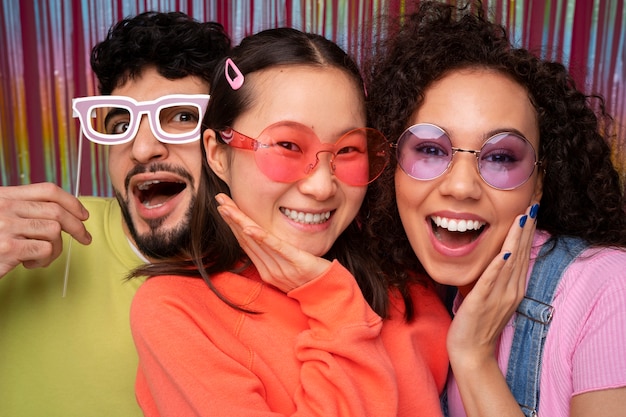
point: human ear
(217, 155)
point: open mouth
(456, 232)
(155, 193)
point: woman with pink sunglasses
(291, 316)
(482, 131)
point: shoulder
(599, 267)
(180, 293)
(170, 287)
(594, 285)
(98, 203)
(586, 337)
(103, 211)
(598, 272)
(171, 299)
(593, 267)
(106, 225)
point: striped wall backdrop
(45, 45)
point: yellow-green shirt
(73, 355)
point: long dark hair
(582, 193)
(214, 248)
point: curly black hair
(174, 43)
(582, 192)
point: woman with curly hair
(482, 131)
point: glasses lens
(288, 152)
(360, 156)
(506, 161)
(179, 119)
(424, 151)
(110, 122)
(284, 151)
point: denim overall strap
(533, 320)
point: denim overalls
(533, 320)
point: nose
(321, 182)
(145, 146)
(462, 180)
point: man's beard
(159, 244)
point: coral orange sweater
(317, 351)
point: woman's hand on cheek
(482, 316)
(488, 307)
(278, 262)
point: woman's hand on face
(278, 262)
(488, 307)
(482, 316)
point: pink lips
(456, 243)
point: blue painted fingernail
(534, 210)
(507, 255)
(522, 220)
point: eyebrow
(494, 132)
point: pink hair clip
(237, 81)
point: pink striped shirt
(585, 348)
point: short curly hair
(174, 43)
(582, 192)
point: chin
(314, 250)
(444, 274)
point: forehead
(320, 97)
(473, 104)
(149, 85)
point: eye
(352, 143)
(179, 115)
(289, 146)
(429, 149)
(186, 117)
(505, 150)
(500, 156)
(120, 128)
(349, 149)
(117, 121)
(117, 125)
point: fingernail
(219, 199)
(507, 255)
(522, 220)
(534, 210)
(223, 211)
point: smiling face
(309, 213)
(154, 182)
(471, 106)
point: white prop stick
(76, 188)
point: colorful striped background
(45, 45)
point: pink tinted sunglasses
(289, 151)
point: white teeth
(147, 204)
(306, 218)
(457, 225)
(145, 185)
